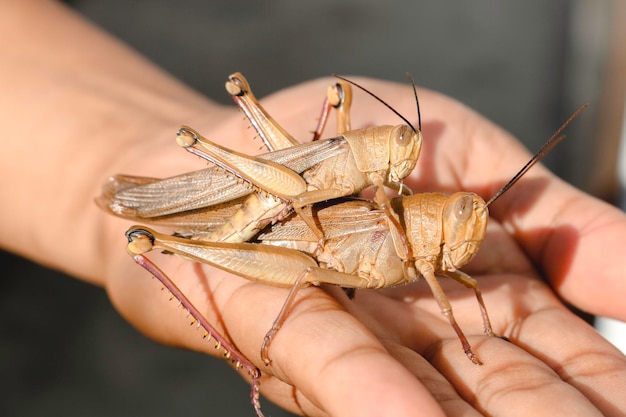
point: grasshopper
(291, 177)
(444, 231)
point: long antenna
(547, 147)
(417, 103)
(380, 100)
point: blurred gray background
(526, 65)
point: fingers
(551, 353)
(439, 387)
(333, 360)
(511, 382)
(578, 354)
(577, 240)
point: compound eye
(463, 208)
(402, 136)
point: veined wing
(336, 219)
(142, 197)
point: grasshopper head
(465, 214)
(404, 149)
(464, 225)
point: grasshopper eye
(463, 208)
(402, 136)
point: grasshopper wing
(337, 219)
(143, 198)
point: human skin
(78, 106)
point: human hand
(391, 352)
(82, 106)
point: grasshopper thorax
(464, 226)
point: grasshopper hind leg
(339, 97)
(141, 241)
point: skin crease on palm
(75, 97)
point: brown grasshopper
(292, 176)
(444, 231)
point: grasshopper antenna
(543, 151)
(382, 101)
(417, 102)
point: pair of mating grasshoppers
(292, 207)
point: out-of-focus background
(526, 65)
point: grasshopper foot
(266, 345)
(472, 356)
